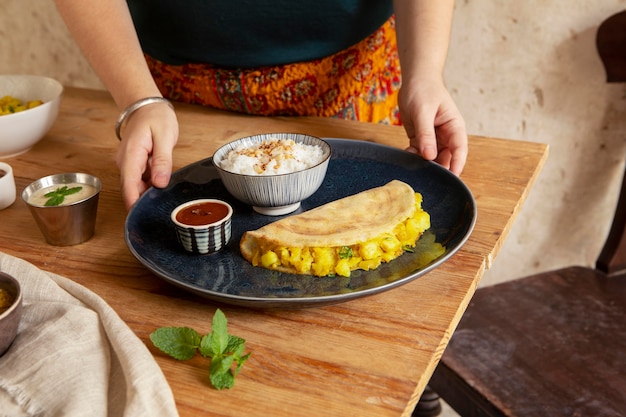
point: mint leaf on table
(220, 374)
(235, 345)
(226, 351)
(178, 342)
(219, 334)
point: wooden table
(368, 357)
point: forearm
(105, 33)
(423, 32)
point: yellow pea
(269, 259)
(368, 264)
(390, 244)
(10, 105)
(324, 260)
(369, 250)
(343, 268)
(304, 265)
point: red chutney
(202, 214)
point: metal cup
(67, 224)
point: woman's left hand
(433, 123)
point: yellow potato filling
(345, 259)
(10, 105)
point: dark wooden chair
(552, 344)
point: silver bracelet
(128, 111)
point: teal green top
(253, 33)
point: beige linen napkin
(74, 356)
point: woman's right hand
(144, 156)
(105, 32)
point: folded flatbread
(355, 232)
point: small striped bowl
(274, 195)
(203, 239)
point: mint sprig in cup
(57, 197)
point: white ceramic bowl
(20, 131)
(274, 195)
(7, 185)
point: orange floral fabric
(359, 83)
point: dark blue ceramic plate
(354, 167)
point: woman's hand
(144, 156)
(105, 32)
(433, 123)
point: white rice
(272, 157)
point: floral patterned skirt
(359, 83)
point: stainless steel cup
(67, 224)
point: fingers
(131, 193)
(455, 136)
(447, 147)
(132, 162)
(436, 130)
(161, 162)
(426, 145)
(458, 157)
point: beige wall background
(520, 70)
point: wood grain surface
(367, 357)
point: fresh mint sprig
(225, 350)
(56, 197)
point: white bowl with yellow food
(273, 172)
(29, 106)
